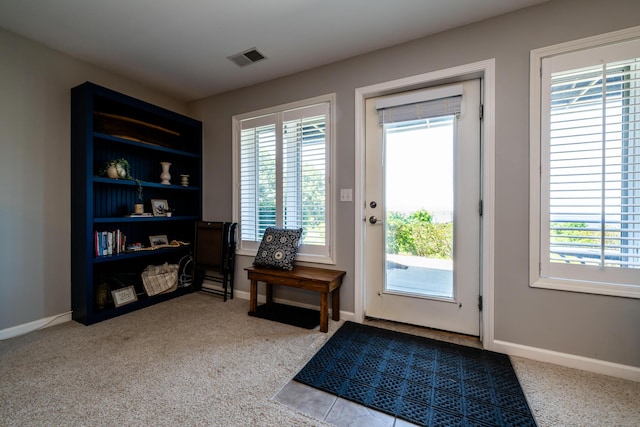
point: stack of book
(139, 215)
(109, 242)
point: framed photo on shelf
(158, 240)
(159, 207)
(124, 296)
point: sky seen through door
(419, 167)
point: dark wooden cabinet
(105, 126)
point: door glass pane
(418, 180)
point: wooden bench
(326, 282)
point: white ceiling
(181, 46)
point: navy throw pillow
(278, 248)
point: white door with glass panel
(422, 210)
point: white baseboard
(25, 328)
(542, 355)
(569, 360)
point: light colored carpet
(191, 361)
(198, 361)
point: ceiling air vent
(247, 57)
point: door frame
(485, 70)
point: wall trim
(25, 328)
(557, 358)
(569, 360)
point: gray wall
(592, 326)
(35, 174)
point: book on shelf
(109, 242)
(139, 215)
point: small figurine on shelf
(184, 181)
(165, 211)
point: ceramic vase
(116, 171)
(165, 176)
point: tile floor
(344, 413)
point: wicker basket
(159, 279)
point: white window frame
(539, 196)
(326, 254)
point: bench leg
(253, 297)
(335, 304)
(324, 312)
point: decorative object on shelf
(102, 291)
(160, 240)
(165, 176)
(124, 296)
(138, 208)
(116, 169)
(185, 271)
(159, 279)
(120, 169)
(134, 130)
(184, 180)
(168, 211)
(159, 207)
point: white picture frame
(124, 296)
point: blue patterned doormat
(421, 380)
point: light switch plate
(346, 195)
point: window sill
(609, 289)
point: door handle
(374, 220)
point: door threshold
(422, 331)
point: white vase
(165, 176)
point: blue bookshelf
(107, 125)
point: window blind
(423, 104)
(304, 173)
(594, 166)
(283, 175)
(257, 177)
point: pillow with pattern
(278, 248)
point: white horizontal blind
(304, 172)
(283, 176)
(592, 179)
(257, 176)
(420, 110)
